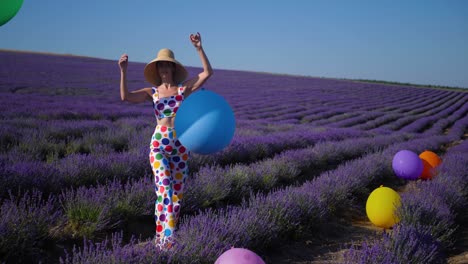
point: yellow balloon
(381, 206)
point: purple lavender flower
(26, 222)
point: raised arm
(138, 96)
(195, 83)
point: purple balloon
(407, 165)
(239, 256)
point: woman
(168, 157)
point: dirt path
(329, 243)
(326, 245)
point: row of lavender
(264, 219)
(432, 123)
(81, 164)
(32, 144)
(319, 92)
(428, 225)
(298, 106)
(46, 107)
(65, 172)
(394, 122)
(406, 123)
(76, 169)
(89, 211)
(138, 207)
(323, 94)
(93, 209)
(98, 79)
(369, 120)
(11, 136)
(293, 110)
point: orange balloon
(430, 162)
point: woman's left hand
(196, 40)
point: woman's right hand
(123, 62)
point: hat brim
(152, 75)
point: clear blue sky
(423, 42)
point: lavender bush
(26, 224)
(292, 162)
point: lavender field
(76, 183)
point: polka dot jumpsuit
(168, 159)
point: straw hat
(151, 71)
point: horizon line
(463, 89)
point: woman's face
(165, 68)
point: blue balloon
(205, 122)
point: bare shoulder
(148, 91)
(186, 90)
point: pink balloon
(239, 256)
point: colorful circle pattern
(167, 106)
(168, 159)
